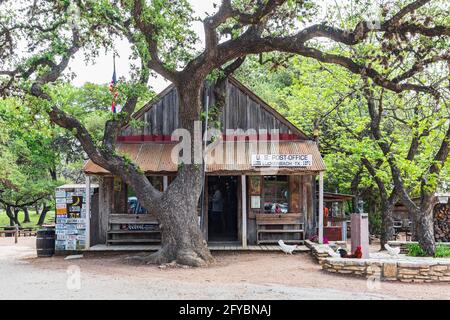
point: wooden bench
(27, 232)
(280, 224)
(117, 235)
(10, 230)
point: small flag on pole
(113, 88)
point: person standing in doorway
(217, 209)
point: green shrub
(442, 251)
(415, 250)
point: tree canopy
(387, 56)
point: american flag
(113, 88)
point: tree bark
(181, 238)
(43, 214)
(16, 213)
(425, 228)
(387, 223)
(26, 217)
(12, 216)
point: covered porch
(260, 205)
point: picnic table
(16, 231)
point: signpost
(281, 160)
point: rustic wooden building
(259, 185)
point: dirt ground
(235, 275)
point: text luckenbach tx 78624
(282, 160)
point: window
(275, 194)
(134, 207)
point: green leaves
(27, 156)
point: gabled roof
(243, 88)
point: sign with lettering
(281, 160)
(71, 218)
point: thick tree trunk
(16, 214)
(43, 214)
(425, 229)
(181, 238)
(12, 216)
(414, 227)
(182, 241)
(26, 217)
(387, 223)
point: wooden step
(260, 223)
(281, 231)
(133, 231)
(285, 241)
(132, 219)
(134, 241)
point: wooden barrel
(45, 242)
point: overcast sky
(100, 71)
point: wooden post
(88, 212)
(165, 182)
(344, 230)
(321, 207)
(16, 232)
(244, 211)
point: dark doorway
(222, 208)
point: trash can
(45, 242)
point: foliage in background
(36, 155)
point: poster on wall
(255, 202)
(255, 185)
(71, 216)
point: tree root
(190, 258)
(164, 259)
(160, 257)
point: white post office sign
(281, 160)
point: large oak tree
(159, 33)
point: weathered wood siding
(106, 200)
(243, 110)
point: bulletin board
(70, 218)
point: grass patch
(415, 250)
(49, 218)
(442, 251)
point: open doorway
(222, 208)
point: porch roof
(222, 157)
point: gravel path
(234, 276)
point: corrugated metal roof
(222, 157)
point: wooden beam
(244, 211)
(321, 207)
(165, 182)
(88, 213)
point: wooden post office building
(259, 187)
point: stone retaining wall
(320, 251)
(390, 269)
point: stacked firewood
(442, 223)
